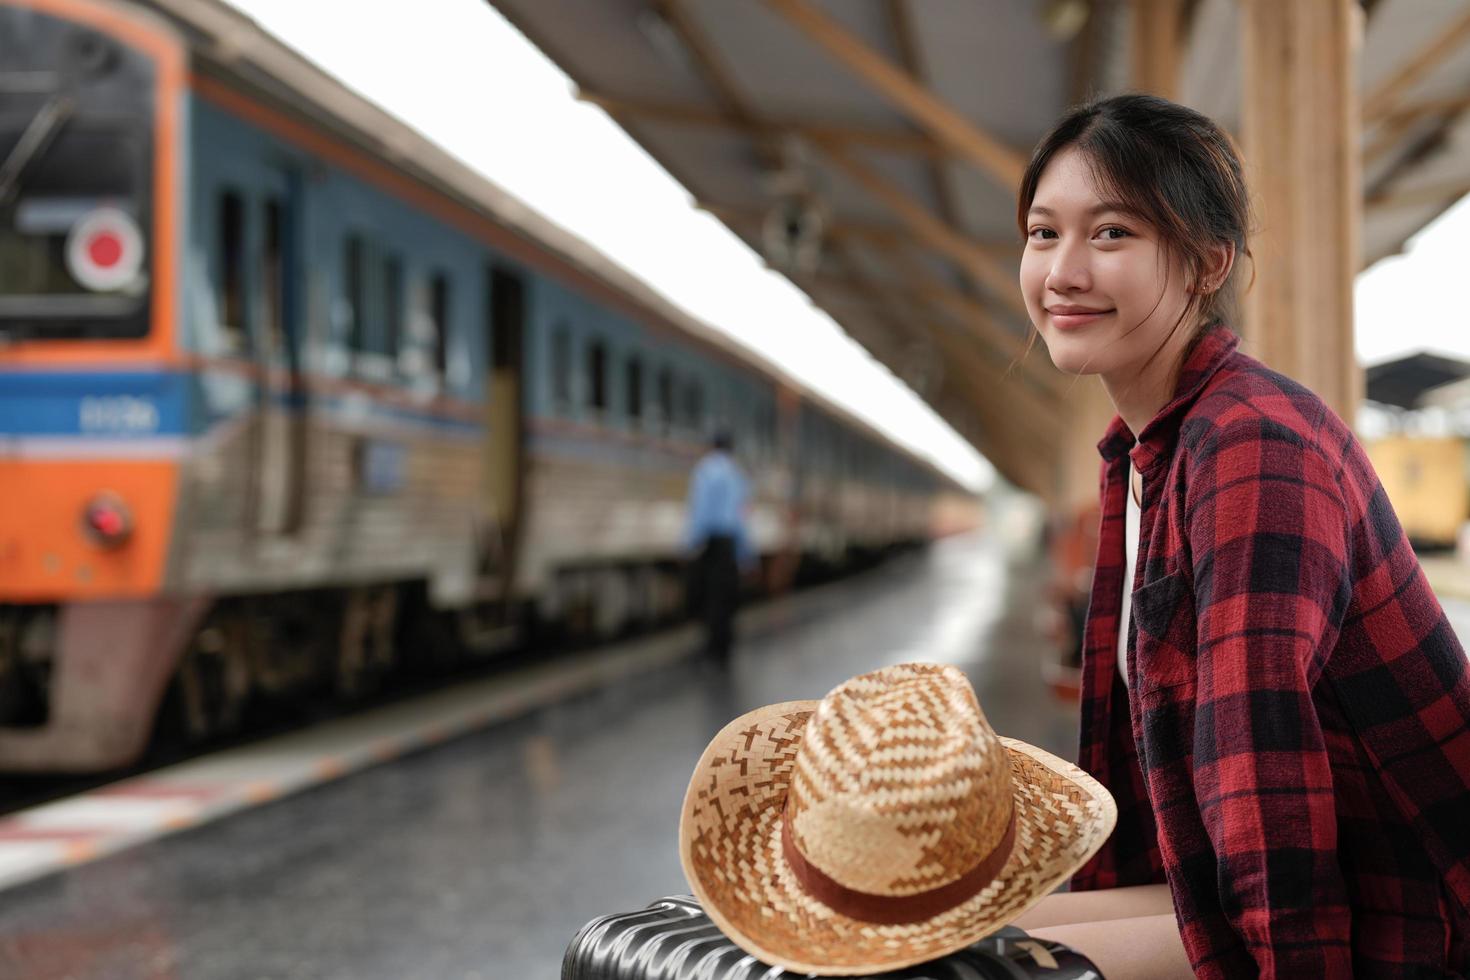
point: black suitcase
(673, 939)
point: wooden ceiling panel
(608, 49)
(985, 209)
(1024, 73)
(722, 159)
(1421, 51)
(775, 67)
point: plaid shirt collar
(1214, 346)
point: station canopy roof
(871, 149)
(1404, 381)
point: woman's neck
(1140, 392)
(1138, 400)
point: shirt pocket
(1165, 641)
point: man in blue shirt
(716, 534)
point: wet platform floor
(480, 858)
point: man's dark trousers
(716, 593)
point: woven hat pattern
(895, 785)
(731, 830)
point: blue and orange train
(289, 396)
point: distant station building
(1415, 424)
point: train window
(665, 400)
(439, 313)
(392, 305)
(232, 269)
(693, 406)
(273, 279)
(505, 306)
(597, 375)
(561, 370)
(763, 426)
(62, 179)
(354, 284)
(634, 389)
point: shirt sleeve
(1268, 539)
(693, 510)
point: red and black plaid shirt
(1294, 756)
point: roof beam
(941, 177)
(840, 229)
(1382, 100)
(907, 42)
(932, 114)
(1392, 127)
(936, 233)
(718, 76)
(1427, 107)
(888, 140)
(1445, 193)
(974, 319)
(723, 84)
(1040, 410)
(965, 310)
(1009, 440)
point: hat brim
(730, 848)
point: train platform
(480, 855)
(469, 833)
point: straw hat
(882, 826)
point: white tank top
(1131, 514)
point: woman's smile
(1073, 317)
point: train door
(504, 472)
(281, 462)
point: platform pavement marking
(18, 857)
(330, 768)
(80, 852)
(101, 813)
(65, 833)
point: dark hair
(723, 439)
(1169, 166)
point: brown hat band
(894, 910)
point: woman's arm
(1268, 538)
(1140, 948)
(1067, 908)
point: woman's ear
(1217, 268)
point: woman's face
(1097, 282)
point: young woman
(1271, 691)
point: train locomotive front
(197, 505)
(92, 409)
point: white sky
(460, 74)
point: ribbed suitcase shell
(672, 939)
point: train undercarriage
(90, 686)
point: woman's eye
(1043, 232)
(1121, 234)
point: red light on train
(107, 521)
(104, 250)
